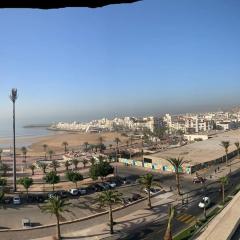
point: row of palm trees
(54, 165)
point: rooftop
(203, 151)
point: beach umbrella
(40, 4)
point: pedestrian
(218, 168)
(215, 171)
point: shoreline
(35, 144)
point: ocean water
(24, 136)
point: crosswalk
(186, 218)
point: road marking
(186, 218)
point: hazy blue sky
(146, 58)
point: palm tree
(13, 96)
(1, 154)
(177, 163)
(75, 162)
(168, 233)
(225, 145)
(131, 139)
(32, 167)
(43, 167)
(100, 139)
(110, 146)
(56, 206)
(54, 165)
(117, 141)
(147, 182)
(109, 198)
(50, 152)
(65, 144)
(26, 182)
(45, 146)
(24, 153)
(67, 164)
(223, 181)
(237, 144)
(84, 162)
(4, 168)
(92, 160)
(86, 146)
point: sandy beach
(54, 142)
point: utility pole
(13, 96)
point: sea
(24, 135)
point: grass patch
(185, 234)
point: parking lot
(82, 206)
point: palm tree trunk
(223, 194)
(111, 219)
(14, 152)
(58, 228)
(226, 159)
(168, 233)
(149, 200)
(178, 183)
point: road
(185, 214)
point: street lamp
(13, 96)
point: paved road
(81, 206)
(185, 214)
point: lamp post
(13, 96)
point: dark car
(199, 180)
(99, 187)
(39, 198)
(91, 189)
(136, 196)
(7, 200)
(62, 194)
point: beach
(54, 141)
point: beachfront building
(198, 155)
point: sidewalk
(127, 223)
(223, 170)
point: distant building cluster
(130, 123)
(197, 123)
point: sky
(148, 58)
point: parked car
(7, 200)
(126, 201)
(62, 194)
(152, 190)
(205, 202)
(82, 191)
(111, 184)
(52, 194)
(136, 196)
(106, 186)
(16, 200)
(73, 191)
(99, 187)
(91, 188)
(39, 198)
(199, 180)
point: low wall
(224, 225)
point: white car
(152, 190)
(111, 184)
(16, 200)
(205, 202)
(73, 191)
